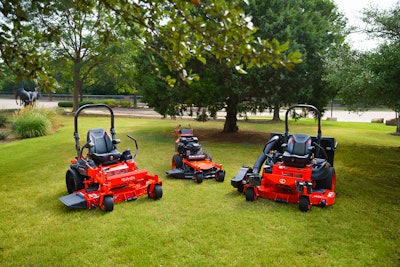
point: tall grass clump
(3, 120)
(32, 123)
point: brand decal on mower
(282, 181)
(127, 179)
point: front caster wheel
(198, 177)
(304, 204)
(250, 194)
(156, 193)
(220, 177)
(108, 204)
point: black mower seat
(103, 150)
(298, 152)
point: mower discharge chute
(298, 169)
(104, 175)
(190, 162)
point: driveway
(340, 115)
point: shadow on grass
(213, 135)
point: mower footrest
(281, 200)
(177, 173)
(237, 180)
(73, 200)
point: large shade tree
(313, 27)
(85, 32)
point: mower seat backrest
(103, 150)
(186, 132)
(298, 152)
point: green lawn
(208, 224)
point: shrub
(32, 123)
(125, 104)
(85, 102)
(69, 104)
(3, 120)
(110, 102)
(65, 104)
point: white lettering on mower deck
(128, 179)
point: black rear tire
(326, 183)
(177, 162)
(73, 180)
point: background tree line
(200, 57)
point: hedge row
(110, 102)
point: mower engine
(189, 147)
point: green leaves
(171, 81)
(177, 31)
(174, 30)
(202, 59)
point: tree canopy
(315, 29)
(312, 27)
(366, 79)
(33, 30)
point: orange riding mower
(189, 160)
(104, 175)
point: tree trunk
(81, 92)
(230, 125)
(135, 101)
(276, 113)
(77, 87)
